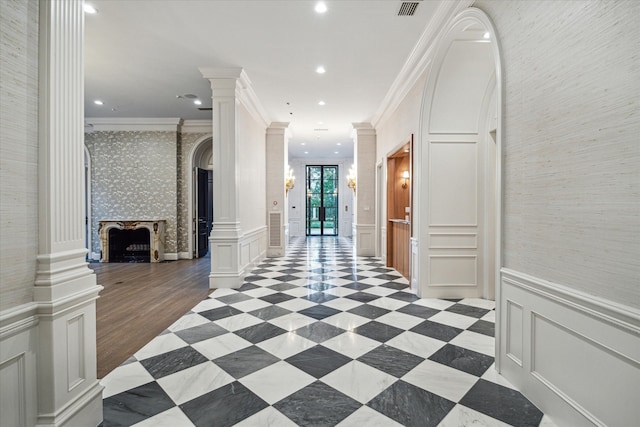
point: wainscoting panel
(453, 270)
(580, 355)
(365, 239)
(75, 352)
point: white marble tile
(260, 292)
(277, 381)
(453, 319)
(292, 321)
(286, 345)
(379, 290)
(351, 344)
(402, 280)
(222, 292)
(123, 378)
(373, 281)
(299, 292)
(480, 303)
(367, 417)
(237, 322)
(417, 344)
(342, 304)
(438, 304)
(492, 375)
(273, 273)
(267, 282)
(346, 321)
(339, 292)
(359, 381)
(399, 320)
(250, 305)
(207, 304)
(268, 417)
(477, 342)
(461, 416)
(489, 317)
(170, 418)
(192, 382)
(388, 303)
(221, 345)
(296, 304)
(160, 344)
(440, 379)
(338, 281)
(546, 422)
(188, 321)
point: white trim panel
(365, 239)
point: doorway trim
(88, 211)
(190, 191)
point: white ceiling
(141, 54)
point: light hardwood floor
(141, 300)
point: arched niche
(200, 156)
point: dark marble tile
(135, 405)
(411, 406)
(388, 277)
(247, 287)
(468, 310)
(418, 311)
(276, 298)
(260, 332)
(356, 286)
(234, 298)
(503, 403)
(220, 313)
(317, 405)
(319, 297)
(391, 360)
(436, 330)
(223, 407)
(286, 278)
(384, 270)
(369, 311)
(355, 277)
(289, 270)
(201, 332)
(246, 361)
(263, 268)
(404, 296)
(319, 331)
(320, 286)
(282, 286)
(468, 361)
(270, 312)
(362, 297)
(255, 277)
(318, 361)
(173, 361)
(395, 285)
(378, 331)
(319, 312)
(483, 327)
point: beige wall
(571, 150)
(18, 151)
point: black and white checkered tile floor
(320, 338)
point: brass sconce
(351, 180)
(405, 176)
(289, 181)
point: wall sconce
(289, 181)
(351, 180)
(405, 176)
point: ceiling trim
(419, 58)
(197, 126)
(133, 124)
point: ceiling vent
(408, 8)
(205, 108)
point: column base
(364, 236)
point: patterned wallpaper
(133, 177)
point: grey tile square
(391, 360)
(320, 286)
(395, 285)
(319, 312)
(404, 296)
(436, 330)
(135, 405)
(466, 360)
(369, 311)
(378, 331)
(201, 332)
(468, 310)
(234, 298)
(276, 298)
(362, 297)
(282, 286)
(220, 313)
(319, 297)
(483, 327)
(260, 332)
(418, 310)
(318, 361)
(173, 361)
(270, 312)
(319, 331)
(246, 361)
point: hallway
(320, 338)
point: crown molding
(197, 126)
(419, 58)
(150, 124)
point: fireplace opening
(129, 245)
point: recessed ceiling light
(89, 9)
(336, 152)
(320, 70)
(98, 102)
(322, 103)
(339, 143)
(197, 102)
(486, 35)
(320, 123)
(320, 7)
(306, 152)
(303, 143)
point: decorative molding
(18, 319)
(171, 256)
(184, 255)
(365, 235)
(116, 124)
(197, 126)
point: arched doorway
(200, 197)
(87, 204)
(458, 187)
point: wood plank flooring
(140, 300)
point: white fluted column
(364, 154)
(65, 288)
(277, 200)
(226, 268)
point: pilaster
(277, 195)
(65, 288)
(365, 169)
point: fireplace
(132, 241)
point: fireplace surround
(149, 249)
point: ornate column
(226, 269)
(277, 204)
(65, 288)
(364, 225)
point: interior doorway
(204, 209)
(322, 200)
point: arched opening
(201, 197)
(458, 159)
(87, 204)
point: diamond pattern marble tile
(320, 337)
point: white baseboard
(575, 356)
(184, 255)
(170, 256)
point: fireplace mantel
(156, 229)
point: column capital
(363, 128)
(278, 128)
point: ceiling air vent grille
(408, 8)
(275, 236)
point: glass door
(322, 201)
